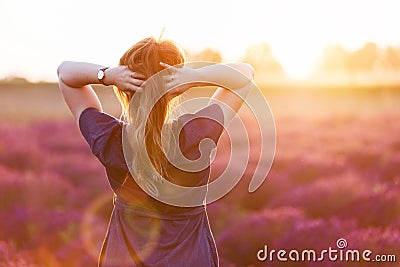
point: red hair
(144, 57)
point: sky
(36, 36)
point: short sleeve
(103, 133)
(205, 123)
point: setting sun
(297, 62)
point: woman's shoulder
(190, 129)
(206, 122)
(103, 133)
(93, 122)
(96, 116)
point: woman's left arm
(75, 79)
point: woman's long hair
(147, 119)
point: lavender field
(336, 174)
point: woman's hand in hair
(123, 78)
(180, 79)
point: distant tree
(14, 80)
(206, 54)
(262, 59)
(391, 58)
(334, 58)
(364, 59)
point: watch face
(100, 74)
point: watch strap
(104, 75)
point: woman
(144, 231)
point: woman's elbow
(60, 69)
(250, 71)
(247, 70)
(63, 68)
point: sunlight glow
(298, 62)
(34, 43)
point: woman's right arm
(234, 80)
(75, 79)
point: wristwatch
(101, 75)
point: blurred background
(330, 71)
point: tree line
(368, 58)
(334, 58)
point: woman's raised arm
(234, 80)
(75, 79)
